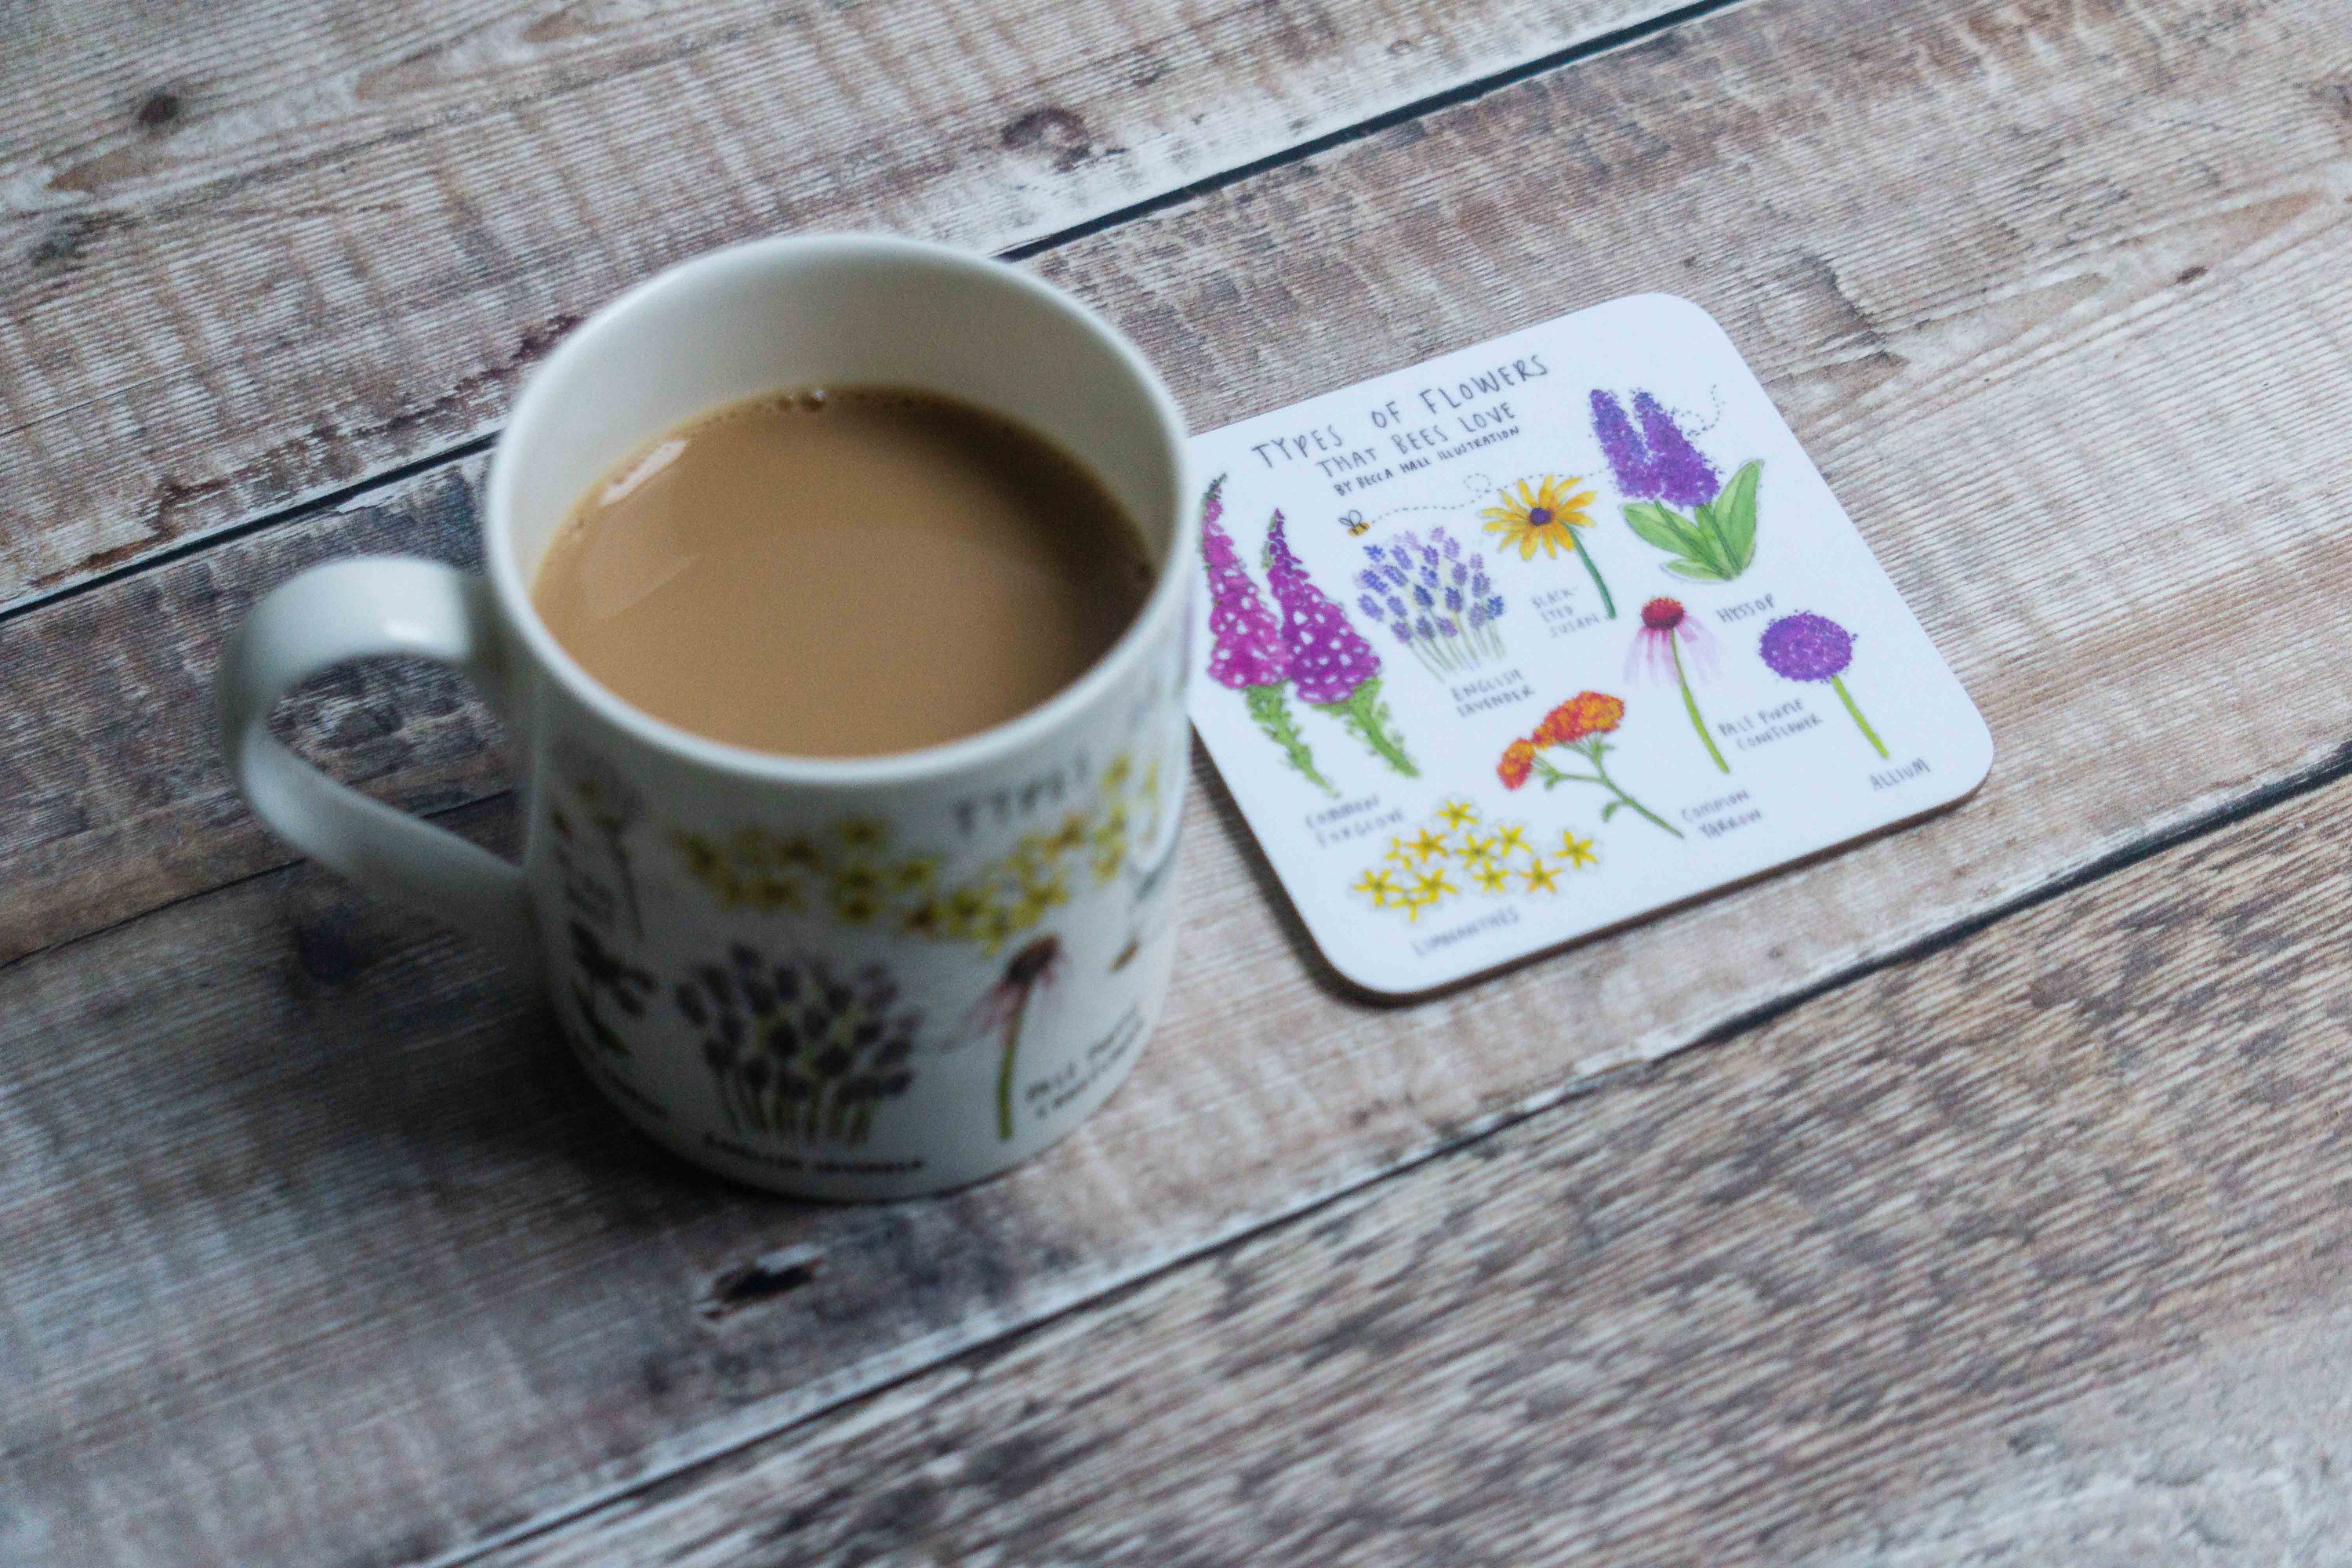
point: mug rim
(1168, 598)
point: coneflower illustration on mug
(1001, 1011)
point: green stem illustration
(1868, 733)
(1367, 717)
(1004, 1069)
(1584, 555)
(1273, 716)
(1591, 752)
(1690, 703)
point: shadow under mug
(841, 978)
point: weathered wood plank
(444, 1213)
(1876, 1284)
(117, 799)
(254, 252)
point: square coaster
(1546, 634)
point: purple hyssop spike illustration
(1807, 646)
(1331, 665)
(1246, 651)
(1659, 470)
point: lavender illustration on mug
(1331, 665)
(1807, 646)
(1434, 602)
(1246, 652)
(1657, 656)
(794, 1051)
(1658, 469)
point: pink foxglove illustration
(1331, 666)
(1659, 470)
(1667, 629)
(1807, 646)
(1246, 651)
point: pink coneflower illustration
(1807, 646)
(1246, 652)
(1331, 665)
(1001, 1011)
(1657, 656)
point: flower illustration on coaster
(1549, 513)
(1659, 470)
(1246, 650)
(1807, 646)
(1332, 667)
(1579, 725)
(1438, 604)
(794, 1051)
(1657, 656)
(1455, 853)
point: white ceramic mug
(843, 978)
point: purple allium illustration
(1807, 646)
(1659, 469)
(1246, 651)
(1450, 623)
(1331, 666)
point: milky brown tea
(842, 573)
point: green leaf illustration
(1655, 524)
(1711, 553)
(1735, 517)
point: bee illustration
(1355, 522)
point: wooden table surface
(2002, 1213)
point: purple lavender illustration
(1659, 470)
(1246, 650)
(1437, 604)
(793, 1051)
(1807, 646)
(1331, 665)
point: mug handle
(328, 616)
